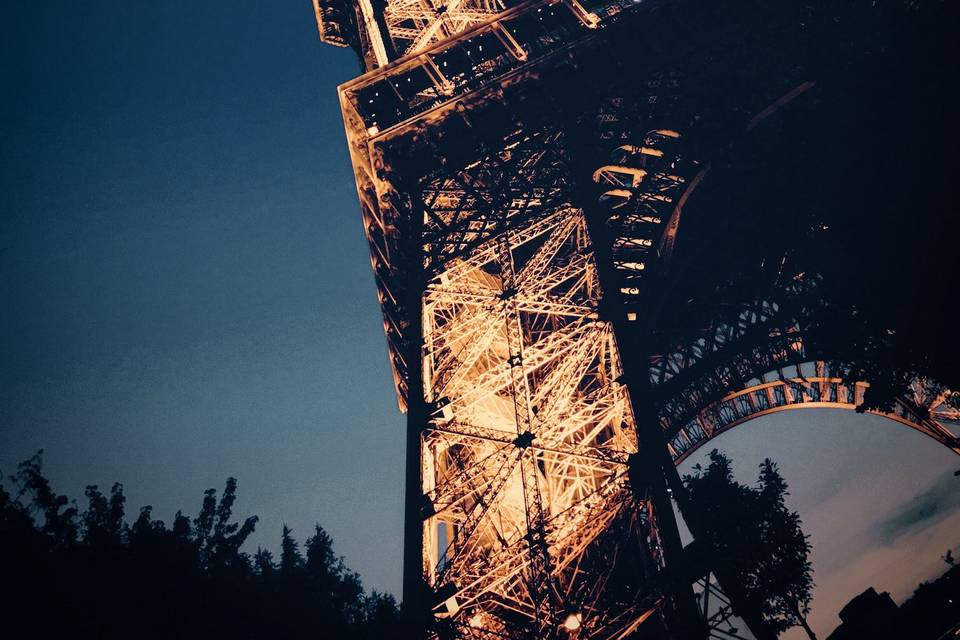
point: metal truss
(425, 88)
(514, 305)
(717, 610)
(416, 24)
(383, 31)
(529, 509)
(525, 455)
(754, 360)
(786, 389)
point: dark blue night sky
(186, 295)
(186, 288)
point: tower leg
(682, 616)
(415, 605)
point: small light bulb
(572, 623)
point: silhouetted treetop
(756, 538)
(90, 574)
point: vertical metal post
(416, 603)
(653, 456)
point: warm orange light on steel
(522, 419)
(925, 411)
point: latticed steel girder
(521, 184)
(382, 30)
(416, 24)
(525, 455)
(788, 389)
(754, 360)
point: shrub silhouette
(89, 574)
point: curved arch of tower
(522, 168)
(925, 410)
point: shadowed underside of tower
(523, 170)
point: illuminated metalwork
(516, 194)
(753, 361)
(789, 389)
(525, 453)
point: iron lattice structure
(522, 169)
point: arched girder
(928, 416)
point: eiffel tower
(522, 170)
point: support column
(647, 475)
(416, 597)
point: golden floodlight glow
(527, 500)
(572, 623)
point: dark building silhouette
(931, 613)
(869, 615)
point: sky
(187, 296)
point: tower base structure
(522, 181)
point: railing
(452, 68)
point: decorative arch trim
(787, 394)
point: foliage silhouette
(89, 574)
(756, 538)
(932, 609)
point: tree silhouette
(89, 574)
(786, 576)
(756, 538)
(59, 520)
(290, 558)
(263, 563)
